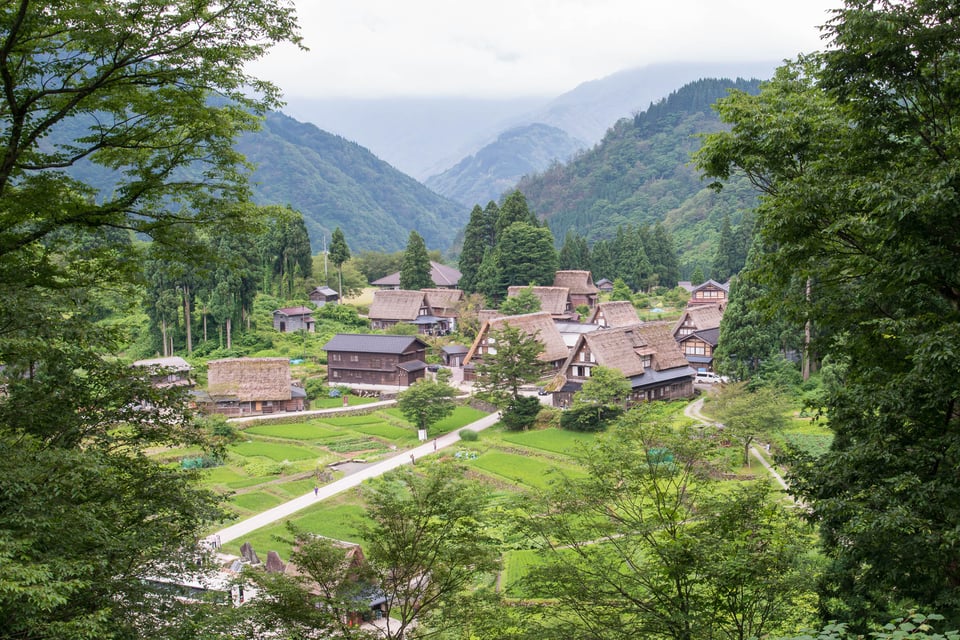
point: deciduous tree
(426, 401)
(427, 544)
(645, 545)
(856, 152)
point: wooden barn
(172, 371)
(324, 295)
(252, 386)
(370, 359)
(292, 319)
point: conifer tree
(415, 268)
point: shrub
(588, 418)
(468, 435)
(201, 462)
(521, 413)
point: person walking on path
(245, 527)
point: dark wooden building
(375, 359)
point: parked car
(708, 377)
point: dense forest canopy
(640, 174)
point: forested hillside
(335, 182)
(496, 168)
(640, 174)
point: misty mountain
(424, 137)
(497, 167)
(640, 174)
(335, 182)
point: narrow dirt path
(694, 412)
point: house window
(376, 363)
(695, 350)
(335, 357)
(647, 361)
(354, 357)
(335, 374)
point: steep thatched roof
(249, 379)
(396, 304)
(704, 316)
(624, 348)
(575, 281)
(443, 302)
(616, 313)
(553, 300)
(539, 324)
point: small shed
(452, 355)
(293, 319)
(324, 295)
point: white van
(708, 377)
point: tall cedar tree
(415, 267)
(151, 93)
(857, 151)
(339, 253)
(474, 246)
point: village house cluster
(660, 359)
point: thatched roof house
(553, 300)
(646, 354)
(443, 302)
(251, 386)
(616, 313)
(699, 318)
(580, 285)
(391, 306)
(539, 325)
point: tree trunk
(186, 318)
(163, 335)
(229, 341)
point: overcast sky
(505, 48)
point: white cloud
(501, 48)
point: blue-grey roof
(372, 343)
(700, 359)
(650, 377)
(412, 365)
(454, 349)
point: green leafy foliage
(856, 153)
(520, 413)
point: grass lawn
(275, 451)
(552, 440)
(228, 478)
(255, 501)
(335, 518)
(522, 470)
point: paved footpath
(287, 508)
